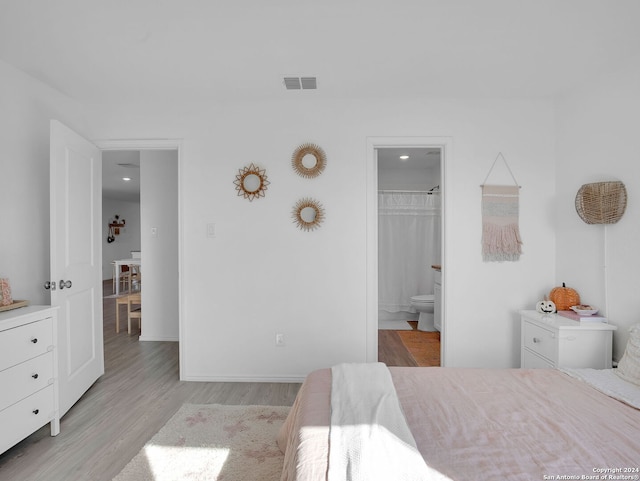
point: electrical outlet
(211, 230)
(279, 339)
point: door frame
(445, 144)
(163, 144)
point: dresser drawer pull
(537, 339)
(34, 340)
(34, 376)
(36, 411)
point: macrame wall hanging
(500, 211)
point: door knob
(50, 285)
(64, 284)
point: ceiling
(190, 52)
(419, 157)
(116, 165)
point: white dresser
(28, 373)
(551, 340)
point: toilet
(424, 305)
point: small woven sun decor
(251, 182)
(601, 202)
(308, 214)
(309, 160)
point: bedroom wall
(260, 275)
(27, 107)
(597, 140)
(159, 211)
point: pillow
(629, 365)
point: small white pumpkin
(546, 307)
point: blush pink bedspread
(481, 424)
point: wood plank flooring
(136, 396)
(419, 349)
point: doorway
(393, 145)
(409, 255)
(161, 233)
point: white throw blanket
(369, 439)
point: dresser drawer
(25, 342)
(540, 340)
(23, 418)
(25, 379)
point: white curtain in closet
(408, 244)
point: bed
(481, 424)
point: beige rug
(212, 442)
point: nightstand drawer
(533, 361)
(539, 340)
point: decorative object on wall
(309, 160)
(114, 228)
(546, 307)
(308, 214)
(601, 202)
(501, 239)
(251, 182)
(564, 297)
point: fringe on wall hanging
(501, 239)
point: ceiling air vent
(297, 83)
(308, 83)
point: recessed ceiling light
(126, 179)
(404, 157)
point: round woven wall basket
(601, 202)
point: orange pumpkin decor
(564, 297)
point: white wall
(261, 275)
(159, 211)
(129, 238)
(27, 107)
(419, 178)
(597, 140)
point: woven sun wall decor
(501, 239)
(309, 160)
(601, 202)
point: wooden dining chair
(134, 309)
(135, 278)
(125, 278)
(121, 300)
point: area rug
(424, 346)
(212, 442)
(394, 325)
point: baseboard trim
(282, 379)
(151, 338)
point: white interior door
(76, 260)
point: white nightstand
(551, 340)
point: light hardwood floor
(136, 396)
